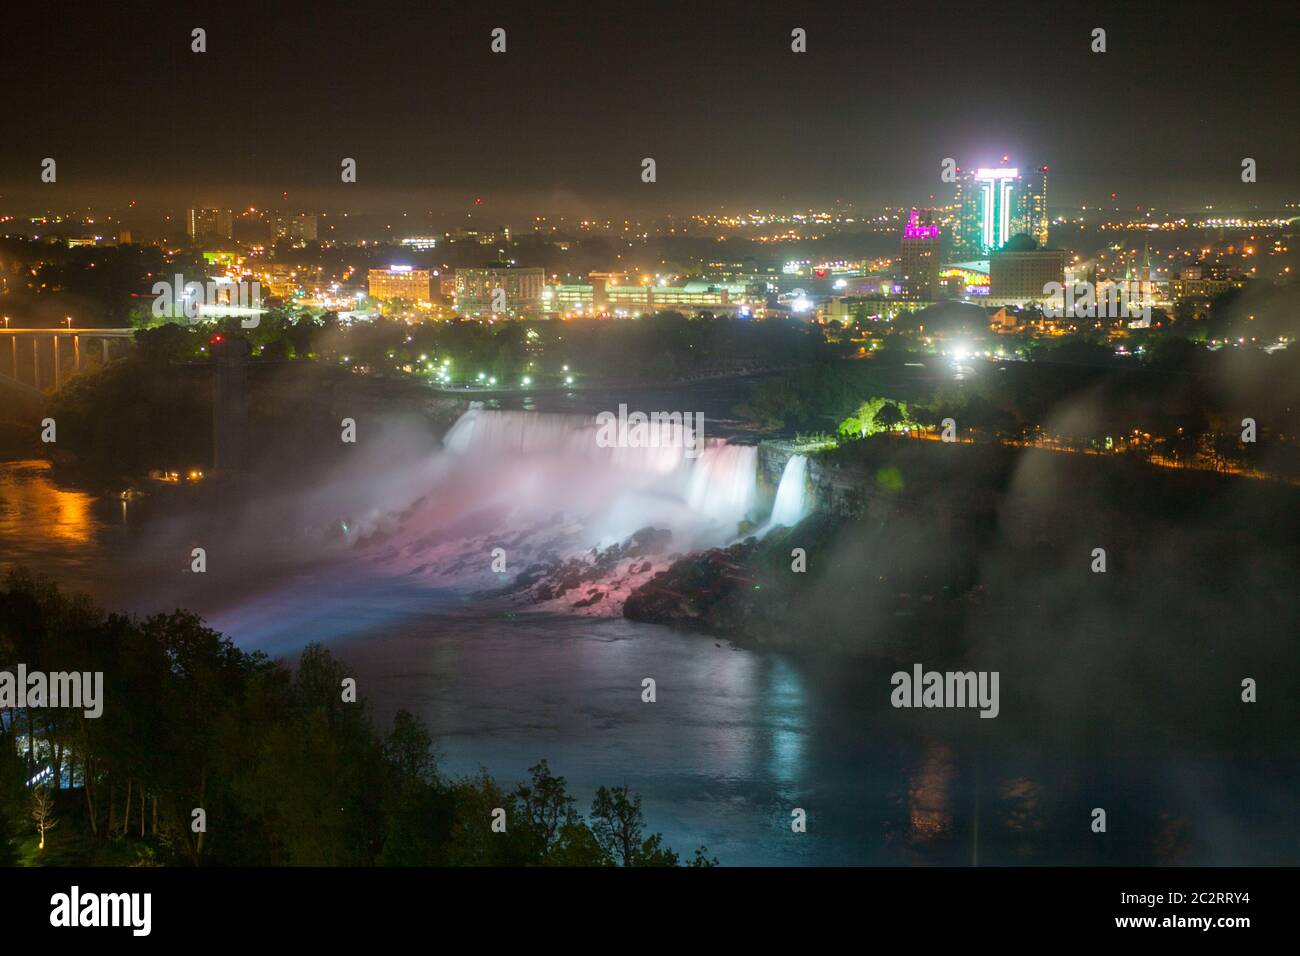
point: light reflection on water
(29, 499)
(735, 740)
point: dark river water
(736, 740)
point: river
(735, 741)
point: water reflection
(929, 794)
(784, 698)
(30, 500)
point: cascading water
(534, 510)
(723, 483)
(486, 433)
(566, 512)
(719, 484)
(790, 506)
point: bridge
(65, 353)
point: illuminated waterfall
(790, 506)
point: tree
(653, 852)
(617, 823)
(702, 857)
(576, 845)
(43, 812)
(888, 417)
(545, 805)
(409, 749)
(168, 343)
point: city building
(475, 290)
(282, 284)
(608, 293)
(995, 203)
(1019, 271)
(1192, 285)
(203, 224)
(293, 226)
(400, 282)
(866, 309)
(919, 260)
(1034, 218)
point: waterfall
(790, 506)
(559, 464)
(724, 482)
(485, 433)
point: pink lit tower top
(918, 264)
(920, 225)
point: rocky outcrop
(584, 581)
(694, 589)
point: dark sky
(710, 90)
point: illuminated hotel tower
(996, 203)
(996, 189)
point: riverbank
(924, 546)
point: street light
(69, 318)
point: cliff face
(700, 591)
(913, 544)
(833, 487)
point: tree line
(284, 770)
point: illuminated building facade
(919, 259)
(606, 295)
(1034, 218)
(995, 203)
(1019, 271)
(523, 289)
(293, 227)
(203, 224)
(400, 282)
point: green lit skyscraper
(996, 203)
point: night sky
(710, 90)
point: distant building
(1019, 271)
(919, 261)
(301, 226)
(607, 293)
(1194, 288)
(522, 290)
(203, 224)
(282, 284)
(400, 282)
(996, 203)
(866, 309)
(1033, 206)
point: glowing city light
(914, 230)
